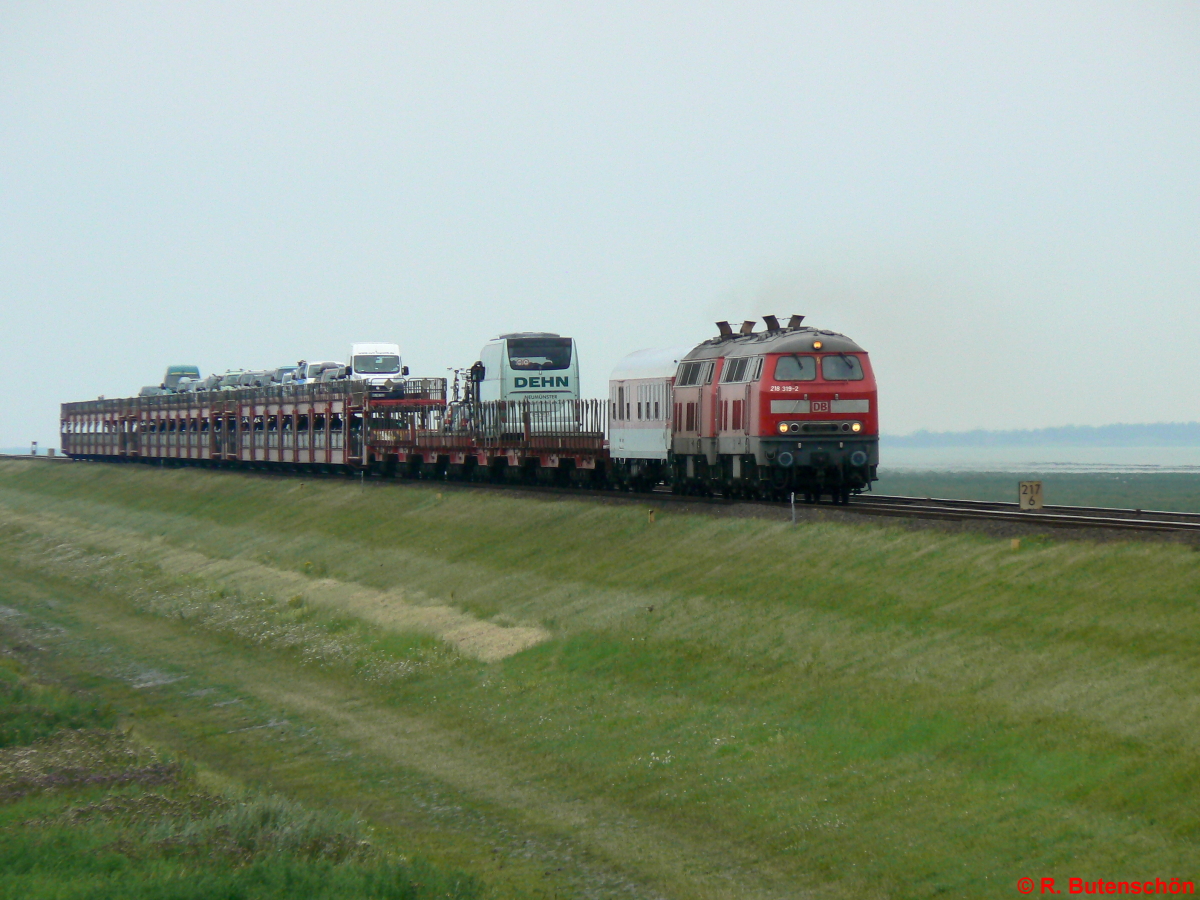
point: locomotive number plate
(820, 406)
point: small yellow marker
(651, 517)
(1016, 543)
(439, 496)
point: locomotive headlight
(817, 345)
(783, 427)
(856, 427)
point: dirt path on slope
(486, 641)
(660, 861)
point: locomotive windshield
(534, 354)
(841, 368)
(796, 368)
(386, 364)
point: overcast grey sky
(1000, 201)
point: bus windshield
(533, 354)
(377, 365)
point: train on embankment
(753, 414)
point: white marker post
(1029, 495)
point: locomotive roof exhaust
(747, 327)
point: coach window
(841, 367)
(796, 368)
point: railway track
(980, 510)
(1109, 518)
(916, 508)
(1050, 516)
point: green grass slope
(88, 812)
(761, 709)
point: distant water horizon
(1140, 435)
(1039, 459)
(1153, 447)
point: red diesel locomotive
(753, 414)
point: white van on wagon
(377, 364)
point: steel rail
(958, 512)
(1108, 511)
(1110, 518)
(878, 505)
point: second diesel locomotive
(791, 409)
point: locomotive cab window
(841, 367)
(796, 368)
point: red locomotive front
(768, 413)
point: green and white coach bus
(528, 365)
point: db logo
(820, 406)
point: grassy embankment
(1175, 491)
(88, 811)
(565, 697)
